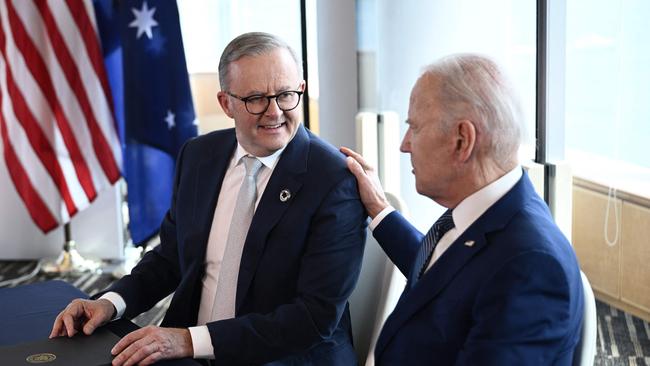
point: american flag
(58, 134)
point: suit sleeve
(157, 274)
(521, 315)
(399, 239)
(328, 272)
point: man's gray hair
(251, 44)
(473, 86)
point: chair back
(586, 349)
(376, 294)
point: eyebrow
(280, 90)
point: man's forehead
(278, 57)
(421, 98)
(424, 93)
(259, 73)
(428, 83)
(278, 61)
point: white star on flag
(144, 20)
(170, 119)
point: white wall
(413, 33)
(337, 71)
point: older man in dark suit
(494, 282)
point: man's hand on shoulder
(151, 344)
(370, 189)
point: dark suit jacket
(300, 263)
(512, 298)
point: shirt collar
(267, 161)
(472, 207)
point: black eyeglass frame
(268, 100)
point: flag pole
(69, 260)
(132, 254)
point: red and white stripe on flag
(58, 135)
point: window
(607, 92)
(396, 39)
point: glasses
(258, 104)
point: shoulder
(531, 244)
(519, 227)
(211, 142)
(533, 226)
(531, 241)
(324, 156)
(318, 164)
(211, 138)
(521, 221)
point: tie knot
(443, 224)
(252, 165)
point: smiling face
(267, 74)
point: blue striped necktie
(439, 228)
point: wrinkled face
(431, 149)
(268, 74)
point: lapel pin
(285, 194)
(469, 243)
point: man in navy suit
(494, 282)
(301, 253)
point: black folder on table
(94, 350)
(27, 313)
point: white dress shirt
(216, 247)
(467, 211)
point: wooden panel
(599, 261)
(626, 307)
(635, 256)
(204, 92)
(205, 87)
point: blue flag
(143, 51)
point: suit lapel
(432, 282)
(454, 259)
(287, 175)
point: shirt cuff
(385, 212)
(117, 301)
(201, 342)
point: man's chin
(419, 188)
(270, 147)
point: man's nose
(273, 109)
(405, 146)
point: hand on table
(82, 315)
(152, 344)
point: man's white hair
(473, 87)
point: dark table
(27, 313)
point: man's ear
(225, 101)
(465, 139)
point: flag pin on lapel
(469, 243)
(285, 194)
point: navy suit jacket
(300, 263)
(514, 297)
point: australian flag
(145, 60)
